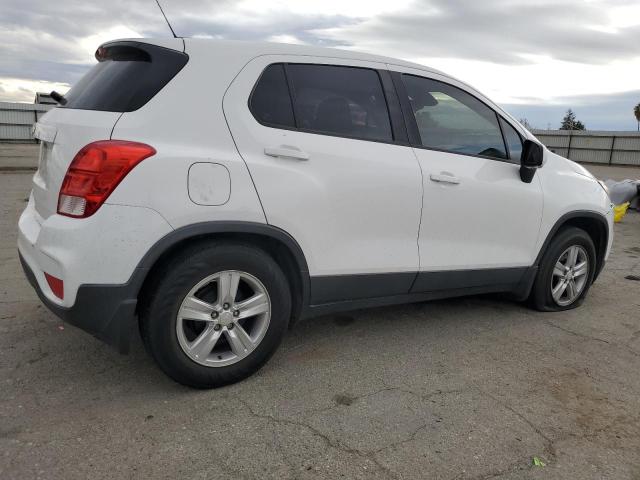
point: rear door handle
(444, 178)
(286, 151)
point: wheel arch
(276, 242)
(596, 226)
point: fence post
(569, 146)
(35, 120)
(613, 142)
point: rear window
(126, 77)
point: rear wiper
(58, 97)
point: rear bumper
(105, 311)
(97, 259)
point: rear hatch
(127, 76)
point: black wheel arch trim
(204, 229)
(601, 249)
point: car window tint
(270, 101)
(514, 142)
(450, 119)
(125, 78)
(345, 101)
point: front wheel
(217, 314)
(566, 271)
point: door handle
(444, 178)
(286, 151)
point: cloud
(23, 90)
(55, 41)
(523, 52)
(499, 31)
(597, 112)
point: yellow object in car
(619, 211)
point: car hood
(579, 169)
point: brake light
(95, 172)
(56, 285)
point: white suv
(212, 193)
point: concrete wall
(592, 146)
(17, 119)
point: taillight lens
(95, 172)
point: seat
(334, 115)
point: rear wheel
(217, 314)
(566, 271)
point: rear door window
(126, 77)
(338, 100)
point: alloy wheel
(570, 274)
(223, 318)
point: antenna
(166, 19)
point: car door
(480, 222)
(331, 169)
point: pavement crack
(504, 471)
(549, 443)
(577, 334)
(626, 346)
(325, 438)
(410, 438)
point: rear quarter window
(125, 78)
(270, 101)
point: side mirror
(532, 155)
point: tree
(525, 123)
(569, 122)
(636, 112)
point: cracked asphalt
(469, 388)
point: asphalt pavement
(469, 388)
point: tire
(173, 331)
(567, 242)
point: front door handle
(444, 177)
(286, 151)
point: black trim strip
(336, 288)
(347, 289)
(409, 119)
(398, 124)
(456, 279)
(520, 291)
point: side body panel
(569, 188)
(186, 125)
(488, 219)
(353, 206)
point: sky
(536, 58)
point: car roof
(251, 49)
(266, 48)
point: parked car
(212, 193)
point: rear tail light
(56, 285)
(95, 172)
